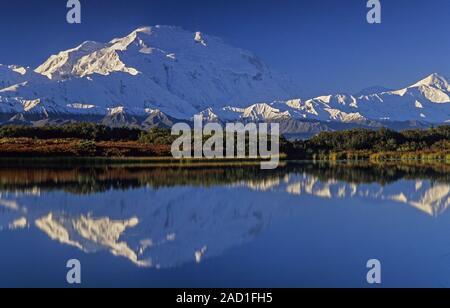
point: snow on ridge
(161, 67)
(261, 112)
(18, 69)
(434, 80)
(428, 100)
(61, 64)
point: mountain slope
(426, 101)
(159, 67)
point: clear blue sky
(326, 44)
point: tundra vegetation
(376, 145)
(91, 140)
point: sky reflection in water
(301, 225)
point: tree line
(86, 131)
(436, 139)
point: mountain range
(156, 76)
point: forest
(381, 144)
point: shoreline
(167, 160)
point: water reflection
(427, 196)
(164, 217)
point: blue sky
(326, 45)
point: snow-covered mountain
(426, 101)
(161, 67)
(162, 73)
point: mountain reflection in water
(164, 217)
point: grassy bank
(72, 147)
(90, 152)
(436, 156)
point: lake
(301, 225)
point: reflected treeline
(381, 173)
(82, 179)
(101, 178)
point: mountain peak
(264, 112)
(177, 71)
(434, 80)
(146, 30)
(61, 64)
(167, 38)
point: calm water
(302, 225)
